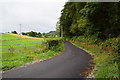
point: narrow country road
(71, 64)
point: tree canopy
(90, 18)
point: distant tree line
(32, 34)
(49, 34)
(91, 18)
(14, 32)
(38, 34)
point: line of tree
(38, 34)
(14, 32)
(91, 18)
(32, 33)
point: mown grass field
(17, 51)
(7, 37)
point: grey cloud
(37, 16)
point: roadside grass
(19, 52)
(106, 58)
(31, 54)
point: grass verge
(107, 60)
(22, 55)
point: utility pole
(20, 29)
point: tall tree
(91, 18)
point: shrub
(53, 43)
(14, 32)
(116, 45)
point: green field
(8, 44)
(20, 43)
(16, 52)
(7, 37)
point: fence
(18, 45)
(25, 47)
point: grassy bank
(8, 37)
(31, 54)
(106, 55)
(17, 52)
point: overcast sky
(34, 15)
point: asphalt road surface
(72, 63)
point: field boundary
(22, 36)
(23, 44)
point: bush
(14, 32)
(113, 43)
(116, 45)
(53, 43)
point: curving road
(71, 64)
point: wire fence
(25, 44)
(20, 44)
(23, 47)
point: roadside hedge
(53, 43)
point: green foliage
(8, 37)
(49, 35)
(91, 18)
(96, 24)
(107, 66)
(19, 52)
(23, 33)
(39, 34)
(112, 43)
(54, 43)
(107, 61)
(7, 44)
(58, 29)
(14, 32)
(32, 33)
(88, 39)
(116, 45)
